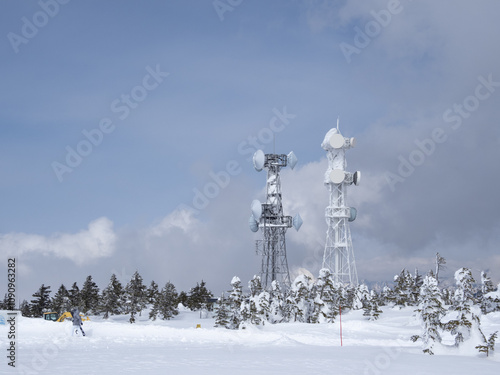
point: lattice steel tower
(339, 253)
(269, 217)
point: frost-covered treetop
(463, 278)
(235, 280)
(324, 273)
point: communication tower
(269, 217)
(339, 253)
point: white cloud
(96, 242)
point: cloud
(96, 242)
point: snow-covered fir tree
(277, 314)
(198, 296)
(372, 309)
(263, 305)
(113, 298)
(415, 286)
(487, 345)
(403, 289)
(152, 292)
(74, 296)
(487, 303)
(327, 298)
(89, 297)
(25, 309)
(361, 297)
(258, 302)
(60, 301)
(223, 312)
(136, 296)
(486, 284)
(463, 300)
(183, 298)
(347, 296)
(41, 301)
(387, 296)
(166, 304)
(490, 302)
(317, 306)
(7, 303)
(430, 311)
(236, 299)
(299, 299)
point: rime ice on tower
(339, 253)
(269, 217)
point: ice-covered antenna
(269, 217)
(339, 255)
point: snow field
(177, 346)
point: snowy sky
(116, 116)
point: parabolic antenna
(297, 222)
(292, 159)
(256, 208)
(353, 142)
(337, 176)
(337, 140)
(356, 178)
(353, 214)
(254, 226)
(259, 158)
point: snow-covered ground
(178, 347)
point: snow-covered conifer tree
(41, 301)
(255, 312)
(387, 296)
(361, 297)
(74, 296)
(300, 300)
(463, 300)
(136, 296)
(486, 303)
(487, 345)
(329, 296)
(415, 287)
(152, 292)
(90, 297)
(277, 313)
(223, 312)
(60, 301)
(430, 311)
(236, 298)
(112, 298)
(25, 309)
(198, 296)
(263, 305)
(403, 289)
(372, 309)
(491, 301)
(166, 303)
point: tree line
(455, 310)
(115, 299)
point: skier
(77, 322)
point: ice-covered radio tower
(269, 217)
(339, 253)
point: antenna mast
(269, 217)
(339, 254)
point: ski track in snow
(175, 346)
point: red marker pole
(340, 319)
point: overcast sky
(127, 130)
